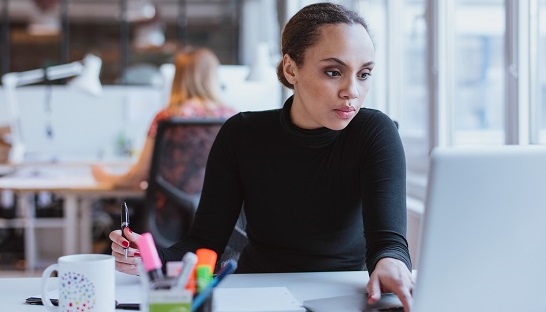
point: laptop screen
(483, 245)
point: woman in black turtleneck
(322, 180)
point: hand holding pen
(120, 243)
(124, 224)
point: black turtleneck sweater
(315, 200)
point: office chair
(176, 177)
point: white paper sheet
(256, 299)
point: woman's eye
(333, 73)
(364, 76)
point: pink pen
(150, 258)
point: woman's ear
(289, 68)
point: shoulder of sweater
(260, 114)
(253, 117)
(365, 111)
(372, 116)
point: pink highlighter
(150, 258)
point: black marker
(124, 223)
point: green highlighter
(206, 262)
(203, 277)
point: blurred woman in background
(195, 93)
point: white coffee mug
(86, 283)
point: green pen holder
(160, 296)
(173, 300)
(169, 300)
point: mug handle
(45, 278)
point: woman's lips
(346, 112)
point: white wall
(249, 95)
(83, 125)
(88, 127)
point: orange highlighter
(206, 262)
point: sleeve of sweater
(383, 182)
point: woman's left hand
(99, 173)
(391, 275)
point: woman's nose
(350, 89)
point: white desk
(75, 184)
(303, 286)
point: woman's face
(330, 86)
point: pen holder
(159, 296)
(169, 300)
(173, 300)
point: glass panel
(541, 72)
(413, 92)
(478, 97)
(413, 95)
(375, 15)
(131, 54)
(4, 36)
(34, 35)
(95, 28)
(153, 41)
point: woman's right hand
(119, 243)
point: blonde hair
(195, 77)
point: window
(478, 75)
(133, 37)
(375, 15)
(539, 74)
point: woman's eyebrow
(335, 59)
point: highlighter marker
(203, 277)
(206, 262)
(150, 258)
(124, 223)
(229, 267)
(188, 264)
(206, 257)
(190, 285)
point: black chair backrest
(176, 176)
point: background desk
(303, 286)
(76, 186)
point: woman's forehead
(342, 40)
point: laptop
(483, 244)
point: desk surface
(61, 178)
(303, 286)
(75, 184)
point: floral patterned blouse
(191, 109)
